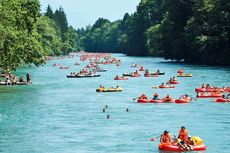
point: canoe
(221, 100)
(170, 147)
(184, 75)
(109, 90)
(167, 86)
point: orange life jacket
(166, 138)
(183, 135)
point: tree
(19, 39)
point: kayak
(209, 90)
(221, 100)
(151, 75)
(211, 95)
(109, 90)
(170, 147)
(182, 101)
(121, 78)
(184, 75)
(160, 73)
(167, 86)
(173, 82)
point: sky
(81, 13)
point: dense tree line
(27, 36)
(195, 31)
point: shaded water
(62, 115)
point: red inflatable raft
(120, 78)
(169, 147)
(153, 101)
(167, 86)
(210, 95)
(182, 101)
(221, 100)
(142, 69)
(209, 90)
(173, 82)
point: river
(61, 115)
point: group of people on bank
(183, 141)
(11, 79)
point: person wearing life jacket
(165, 138)
(167, 98)
(155, 96)
(183, 134)
(203, 86)
(143, 97)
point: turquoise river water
(61, 115)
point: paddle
(155, 87)
(154, 139)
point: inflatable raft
(109, 89)
(83, 76)
(184, 75)
(153, 101)
(121, 78)
(173, 82)
(210, 95)
(170, 147)
(167, 86)
(182, 101)
(209, 90)
(221, 100)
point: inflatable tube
(184, 75)
(169, 147)
(221, 100)
(182, 101)
(167, 86)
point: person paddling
(183, 136)
(165, 138)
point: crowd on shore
(10, 79)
